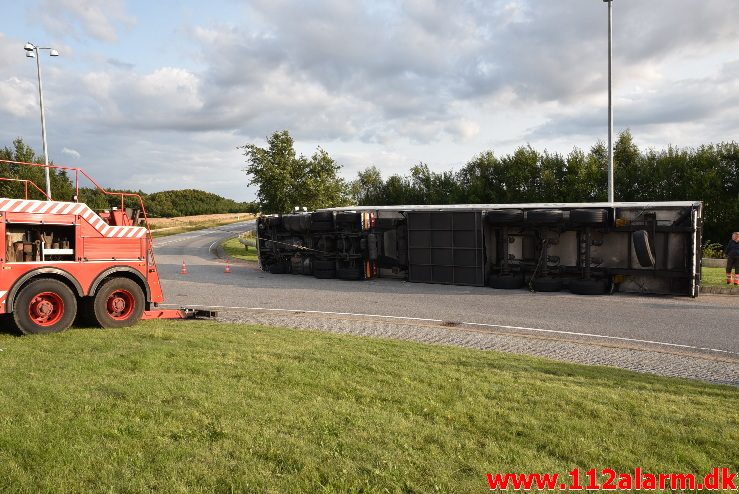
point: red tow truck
(62, 259)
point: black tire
(119, 303)
(547, 284)
(589, 287)
(44, 306)
(321, 226)
(545, 216)
(324, 264)
(326, 243)
(354, 273)
(273, 221)
(324, 268)
(589, 216)
(86, 312)
(8, 325)
(279, 268)
(348, 218)
(322, 221)
(322, 216)
(288, 221)
(307, 267)
(296, 223)
(296, 265)
(642, 248)
(506, 281)
(504, 216)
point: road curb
(720, 290)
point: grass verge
(233, 248)
(713, 276)
(202, 406)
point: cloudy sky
(159, 95)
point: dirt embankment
(157, 223)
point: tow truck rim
(46, 309)
(120, 304)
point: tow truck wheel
(119, 303)
(44, 306)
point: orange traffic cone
(227, 270)
(183, 270)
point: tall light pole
(32, 51)
(610, 101)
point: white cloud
(99, 20)
(18, 98)
(386, 83)
(71, 152)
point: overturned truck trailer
(585, 248)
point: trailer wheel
(119, 303)
(279, 268)
(506, 281)
(322, 221)
(588, 216)
(504, 216)
(354, 273)
(44, 306)
(324, 269)
(589, 287)
(296, 265)
(273, 221)
(643, 249)
(348, 219)
(545, 216)
(296, 223)
(547, 284)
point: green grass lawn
(234, 248)
(713, 276)
(200, 406)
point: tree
(61, 185)
(368, 188)
(285, 180)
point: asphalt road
(706, 326)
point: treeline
(709, 173)
(170, 203)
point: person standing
(732, 259)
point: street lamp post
(610, 101)
(32, 51)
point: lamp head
(30, 54)
(29, 47)
(53, 53)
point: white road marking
(190, 237)
(500, 326)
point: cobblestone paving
(713, 368)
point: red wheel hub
(120, 304)
(46, 309)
